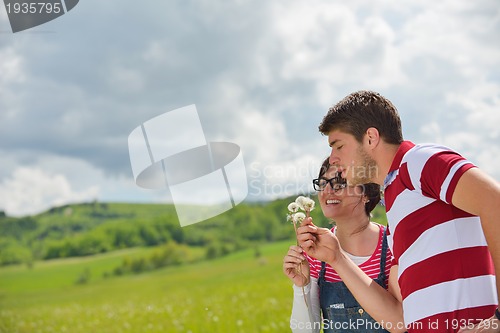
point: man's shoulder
(422, 153)
(428, 149)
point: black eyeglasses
(319, 184)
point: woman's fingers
(296, 259)
(307, 221)
(306, 236)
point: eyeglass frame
(334, 184)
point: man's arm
(379, 303)
(479, 194)
(384, 307)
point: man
(443, 215)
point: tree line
(92, 228)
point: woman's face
(343, 202)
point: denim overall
(341, 311)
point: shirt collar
(403, 148)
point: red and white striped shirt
(445, 271)
(371, 267)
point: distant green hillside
(237, 293)
(92, 228)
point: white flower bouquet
(297, 212)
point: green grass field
(237, 293)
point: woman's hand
(296, 266)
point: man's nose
(333, 159)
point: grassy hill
(114, 267)
(241, 292)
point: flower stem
(300, 265)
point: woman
(362, 240)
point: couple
(443, 231)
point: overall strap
(322, 272)
(383, 257)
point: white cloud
(11, 67)
(283, 178)
(12, 75)
(488, 159)
(262, 75)
(31, 190)
(481, 106)
(278, 167)
(329, 49)
(32, 182)
(125, 80)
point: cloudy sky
(261, 73)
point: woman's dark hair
(372, 193)
(371, 190)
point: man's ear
(372, 137)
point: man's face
(350, 158)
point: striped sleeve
(314, 266)
(434, 171)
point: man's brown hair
(357, 112)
